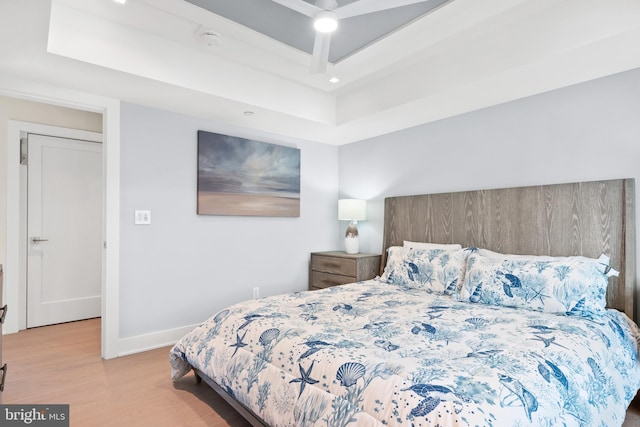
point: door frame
(66, 133)
(110, 110)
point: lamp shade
(352, 209)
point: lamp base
(352, 245)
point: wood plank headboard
(586, 218)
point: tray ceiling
(462, 56)
(296, 30)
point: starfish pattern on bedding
(429, 278)
(537, 294)
(305, 378)
(238, 343)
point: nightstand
(337, 268)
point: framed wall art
(239, 176)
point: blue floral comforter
(373, 353)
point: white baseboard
(140, 343)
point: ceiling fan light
(325, 22)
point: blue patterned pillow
(574, 286)
(433, 270)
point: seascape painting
(238, 176)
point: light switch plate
(142, 217)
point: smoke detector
(208, 38)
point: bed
(423, 345)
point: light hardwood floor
(62, 364)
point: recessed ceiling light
(248, 113)
(334, 79)
(325, 21)
(120, 1)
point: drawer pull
(4, 375)
(4, 313)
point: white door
(65, 230)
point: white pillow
(422, 245)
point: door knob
(35, 240)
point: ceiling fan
(325, 15)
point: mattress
(374, 353)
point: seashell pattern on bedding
(425, 360)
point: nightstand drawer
(333, 268)
(335, 265)
(321, 280)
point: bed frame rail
(246, 413)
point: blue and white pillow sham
(574, 286)
(433, 270)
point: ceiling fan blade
(300, 6)
(320, 53)
(362, 7)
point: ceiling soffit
(462, 57)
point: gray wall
(589, 131)
(183, 267)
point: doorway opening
(108, 110)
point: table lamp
(352, 210)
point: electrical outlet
(256, 292)
(142, 217)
